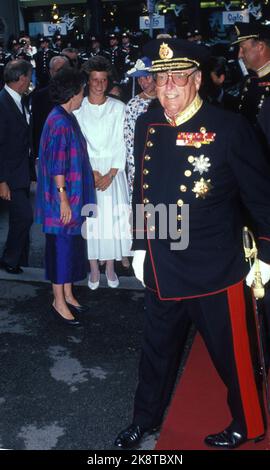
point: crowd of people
(181, 140)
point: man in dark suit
(15, 164)
(197, 157)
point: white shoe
(112, 284)
(93, 285)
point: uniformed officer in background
(117, 55)
(254, 49)
(188, 152)
(42, 58)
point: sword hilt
(251, 253)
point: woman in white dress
(101, 119)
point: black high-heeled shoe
(78, 308)
(64, 321)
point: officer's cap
(22, 41)
(246, 31)
(174, 54)
(43, 39)
(95, 39)
(113, 36)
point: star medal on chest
(201, 164)
(201, 188)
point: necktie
(23, 110)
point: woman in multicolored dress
(65, 185)
(135, 107)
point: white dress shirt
(18, 100)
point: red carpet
(199, 407)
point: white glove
(265, 273)
(137, 264)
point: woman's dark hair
(99, 63)
(66, 83)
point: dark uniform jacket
(14, 144)
(264, 121)
(254, 92)
(117, 59)
(211, 162)
(42, 58)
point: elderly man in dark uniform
(188, 152)
(254, 50)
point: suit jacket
(211, 162)
(14, 144)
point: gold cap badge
(165, 52)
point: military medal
(195, 139)
(202, 188)
(201, 164)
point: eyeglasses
(178, 78)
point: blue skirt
(65, 258)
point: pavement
(62, 387)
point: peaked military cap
(95, 39)
(174, 54)
(246, 31)
(43, 39)
(193, 33)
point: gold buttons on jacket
(180, 202)
(152, 228)
(147, 215)
(179, 230)
(145, 201)
(188, 173)
(145, 171)
(183, 188)
(179, 217)
(191, 159)
(147, 157)
(145, 186)
(149, 143)
(152, 130)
